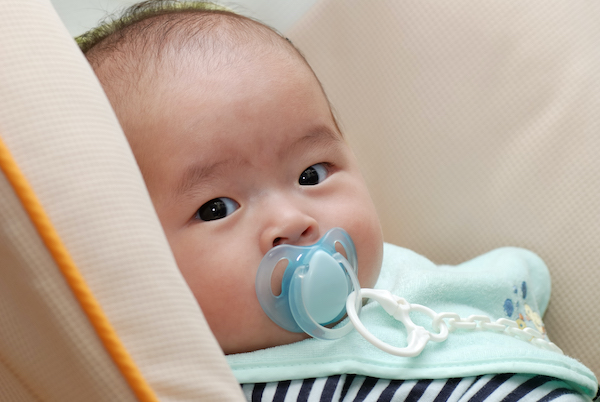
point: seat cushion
(62, 143)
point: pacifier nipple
(315, 285)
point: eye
(217, 208)
(314, 174)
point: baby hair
(151, 27)
(126, 48)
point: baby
(240, 152)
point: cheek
(360, 219)
(369, 249)
(221, 277)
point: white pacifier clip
(418, 336)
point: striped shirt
(356, 388)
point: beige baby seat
(92, 305)
(477, 124)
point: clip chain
(442, 323)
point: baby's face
(238, 160)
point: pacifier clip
(441, 323)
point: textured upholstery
(59, 128)
(477, 125)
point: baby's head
(240, 152)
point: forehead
(270, 99)
(141, 48)
(149, 68)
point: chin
(276, 338)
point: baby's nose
(308, 233)
(295, 227)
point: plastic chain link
(442, 324)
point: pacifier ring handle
(417, 337)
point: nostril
(309, 234)
(277, 241)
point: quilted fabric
(58, 126)
(477, 127)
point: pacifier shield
(316, 283)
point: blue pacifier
(315, 286)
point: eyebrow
(195, 175)
(321, 136)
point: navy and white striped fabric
(355, 388)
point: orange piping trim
(73, 277)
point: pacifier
(315, 286)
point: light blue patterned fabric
(505, 283)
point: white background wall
(81, 15)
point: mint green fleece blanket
(505, 283)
